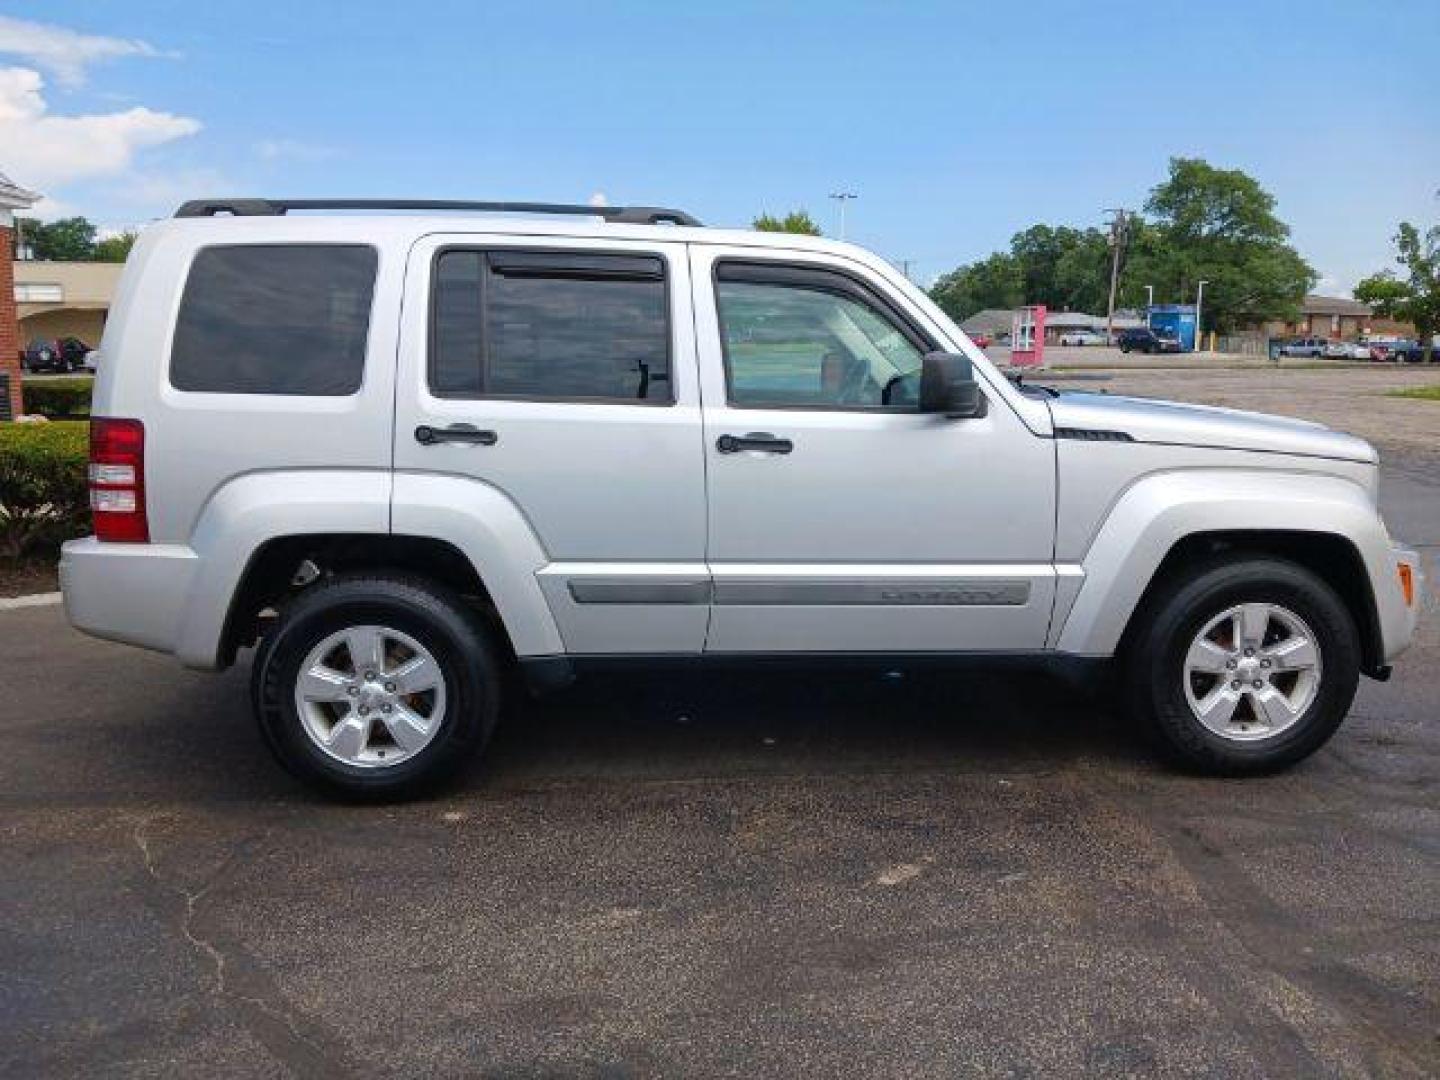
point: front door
(561, 372)
(841, 518)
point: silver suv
(402, 453)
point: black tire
(429, 614)
(1125, 348)
(1152, 670)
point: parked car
(981, 340)
(1145, 340)
(1347, 350)
(1379, 346)
(1413, 352)
(62, 354)
(1310, 346)
(1082, 337)
(554, 446)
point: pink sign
(1027, 337)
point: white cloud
(48, 209)
(599, 199)
(63, 52)
(43, 149)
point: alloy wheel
(370, 696)
(1252, 671)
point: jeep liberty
(403, 453)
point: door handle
(761, 441)
(461, 433)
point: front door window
(807, 344)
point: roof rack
(618, 215)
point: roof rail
(618, 215)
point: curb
(39, 599)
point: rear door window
(550, 325)
(275, 319)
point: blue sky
(957, 124)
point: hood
(1204, 425)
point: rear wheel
(1247, 666)
(376, 687)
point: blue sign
(1176, 320)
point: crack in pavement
(275, 1027)
(190, 899)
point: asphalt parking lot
(926, 876)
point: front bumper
(1398, 617)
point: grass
(59, 380)
(1423, 393)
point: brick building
(12, 198)
(1337, 318)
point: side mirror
(947, 385)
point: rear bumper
(132, 593)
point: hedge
(44, 499)
(58, 399)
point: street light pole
(1199, 300)
(842, 197)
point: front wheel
(1247, 666)
(376, 687)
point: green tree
(1219, 226)
(994, 282)
(1416, 297)
(797, 221)
(68, 239)
(1065, 269)
(114, 248)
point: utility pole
(1118, 226)
(905, 268)
(842, 197)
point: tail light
(117, 480)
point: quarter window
(550, 325)
(275, 319)
(813, 340)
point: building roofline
(14, 197)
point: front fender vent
(1093, 434)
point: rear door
(561, 371)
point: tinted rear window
(550, 325)
(275, 319)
